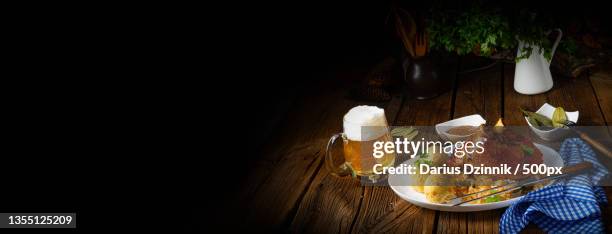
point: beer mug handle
(344, 169)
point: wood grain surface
(290, 190)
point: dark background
(110, 111)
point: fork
(566, 171)
(596, 144)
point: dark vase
(429, 76)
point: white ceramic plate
(550, 156)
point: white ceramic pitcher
(532, 75)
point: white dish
(553, 134)
(550, 156)
(471, 120)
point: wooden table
(290, 190)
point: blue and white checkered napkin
(568, 206)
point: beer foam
(370, 119)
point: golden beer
(359, 154)
(363, 126)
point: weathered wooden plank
(383, 211)
(331, 203)
(577, 94)
(274, 200)
(477, 93)
(484, 221)
(329, 206)
(602, 85)
(452, 222)
(513, 100)
(277, 182)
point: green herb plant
(487, 31)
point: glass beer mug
(363, 126)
